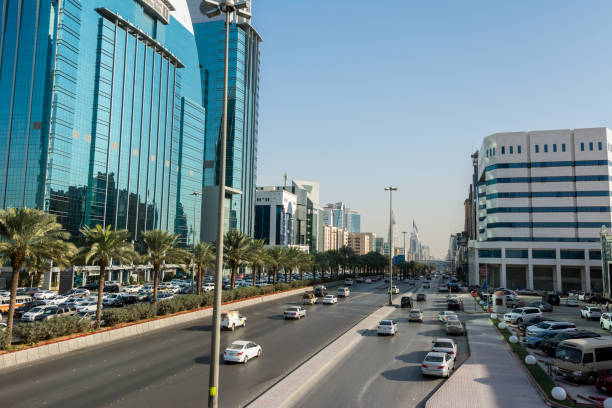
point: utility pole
(390, 189)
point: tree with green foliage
(203, 257)
(276, 260)
(257, 258)
(236, 246)
(103, 246)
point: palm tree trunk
(155, 283)
(254, 274)
(199, 279)
(14, 283)
(301, 274)
(100, 295)
(290, 275)
(274, 273)
(233, 277)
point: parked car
(445, 346)
(597, 299)
(415, 315)
(208, 287)
(571, 301)
(241, 351)
(604, 382)
(309, 298)
(421, 297)
(590, 312)
(605, 321)
(31, 315)
(552, 298)
(438, 364)
(543, 306)
(113, 299)
(406, 301)
(343, 292)
(294, 312)
(583, 295)
(550, 327)
(129, 299)
(387, 327)
(87, 306)
(549, 344)
(320, 291)
(56, 300)
(442, 316)
(454, 327)
(131, 289)
(330, 300)
(86, 315)
(536, 340)
(232, 319)
(19, 311)
(111, 288)
(533, 321)
(57, 311)
(45, 294)
(79, 292)
(522, 313)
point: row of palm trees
(31, 240)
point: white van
(343, 292)
(583, 359)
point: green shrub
(114, 316)
(280, 287)
(4, 338)
(49, 329)
(143, 310)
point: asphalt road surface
(169, 367)
(386, 371)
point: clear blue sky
(358, 97)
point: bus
(19, 301)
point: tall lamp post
(212, 9)
(390, 189)
(195, 195)
(405, 259)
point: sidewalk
(491, 377)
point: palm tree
(305, 261)
(292, 257)
(103, 245)
(257, 257)
(27, 234)
(236, 246)
(276, 260)
(203, 257)
(160, 247)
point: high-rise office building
(353, 223)
(242, 118)
(101, 119)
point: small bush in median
(4, 343)
(49, 329)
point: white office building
(543, 197)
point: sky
(359, 95)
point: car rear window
(235, 346)
(454, 323)
(385, 323)
(293, 309)
(595, 309)
(434, 359)
(443, 344)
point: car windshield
(415, 312)
(443, 344)
(385, 323)
(293, 309)
(36, 309)
(518, 311)
(454, 323)
(543, 325)
(329, 296)
(569, 354)
(236, 346)
(434, 359)
(51, 310)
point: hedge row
(62, 326)
(49, 329)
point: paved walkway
(491, 377)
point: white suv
(605, 321)
(590, 312)
(520, 314)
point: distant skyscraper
(242, 120)
(101, 120)
(353, 221)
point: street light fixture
(211, 9)
(390, 189)
(195, 195)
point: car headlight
(577, 373)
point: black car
(552, 298)
(406, 302)
(111, 289)
(597, 299)
(532, 321)
(320, 291)
(26, 308)
(91, 287)
(454, 304)
(543, 306)
(549, 345)
(421, 297)
(129, 299)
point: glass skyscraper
(242, 123)
(101, 117)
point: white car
(294, 312)
(387, 327)
(208, 287)
(394, 290)
(447, 346)
(521, 314)
(571, 301)
(590, 312)
(348, 281)
(329, 300)
(438, 364)
(44, 294)
(343, 292)
(56, 300)
(550, 327)
(241, 351)
(232, 319)
(86, 306)
(605, 321)
(78, 292)
(442, 316)
(368, 280)
(131, 288)
(35, 312)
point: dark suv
(421, 297)
(406, 301)
(552, 298)
(549, 346)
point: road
(169, 365)
(386, 371)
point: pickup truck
(232, 319)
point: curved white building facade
(543, 196)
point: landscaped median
(60, 335)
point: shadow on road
(367, 332)
(408, 373)
(412, 357)
(203, 360)
(198, 328)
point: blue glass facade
(101, 120)
(243, 105)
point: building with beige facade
(334, 238)
(361, 243)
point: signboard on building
(159, 9)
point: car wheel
(246, 359)
(232, 328)
(519, 321)
(244, 324)
(259, 353)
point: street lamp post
(212, 9)
(405, 259)
(195, 195)
(390, 189)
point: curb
(52, 348)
